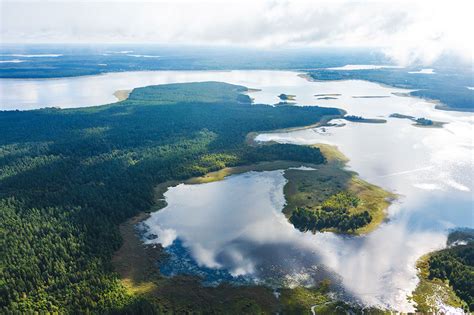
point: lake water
(99, 89)
(236, 225)
(234, 229)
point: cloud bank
(408, 31)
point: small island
(327, 98)
(420, 122)
(371, 96)
(333, 96)
(327, 95)
(287, 97)
(361, 119)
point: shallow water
(235, 226)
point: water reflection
(236, 225)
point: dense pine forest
(333, 213)
(68, 178)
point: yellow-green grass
(259, 167)
(429, 292)
(373, 199)
(332, 154)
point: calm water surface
(98, 89)
(234, 229)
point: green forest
(68, 178)
(333, 213)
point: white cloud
(409, 31)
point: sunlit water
(99, 89)
(234, 229)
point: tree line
(333, 213)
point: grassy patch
(373, 199)
(259, 167)
(332, 154)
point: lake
(234, 229)
(99, 89)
